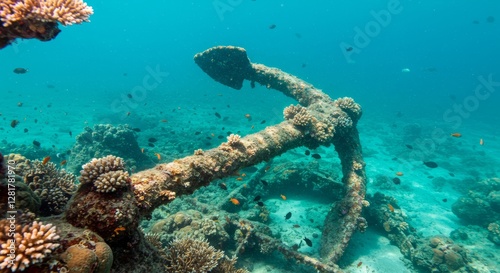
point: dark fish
(308, 242)
(223, 186)
(136, 129)
(262, 122)
(152, 139)
(304, 65)
(288, 216)
(264, 182)
(349, 48)
(298, 35)
(396, 180)
(260, 203)
(252, 84)
(197, 133)
(273, 26)
(316, 156)
(36, 143)
(452, 174)
(25, 130)
(209, 138)
(225, 118)
(217, 115)
(409, 146)
(51, 86)
(20, 70)
(129, 95)
(490, 19)
(475, 22)
(220, 137)
(14, 123)
(70, 134)
(257, 198)
(151, 144)
(430, 164)
(307, 152)
(394, 158)
(445, 200)
(36, 120)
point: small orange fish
(63, 162)
(360, 263)
(164, 120)
(118, 229)
(456, 135)
(391, 208)
(296, 226)
(253, 126)
(142, 150)
(481, 142)
(243, 174)
(248, 116)
(239, 178)
(283, 197)
(158, 156)
(399, 173)
(234, 201)
(46, 160)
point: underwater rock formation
(481, 205)
(38, 19)
(431, 254)
(106, 139)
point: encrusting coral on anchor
(25, 245)
(106, 174)
(39, 18)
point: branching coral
(66, 12)
(105, 173)
(38, 18)
(54, 186)
(349, 106)
(190, 255)
(22, 246)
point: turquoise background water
(93, 65)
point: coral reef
(111, 205)
(29, 244)
(481, 205)
(432, 254)
(105, 139)
(105, 198)
(51, 185)
(38, 19)
(192, 255)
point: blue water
(419, 65)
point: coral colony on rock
(226, 209)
